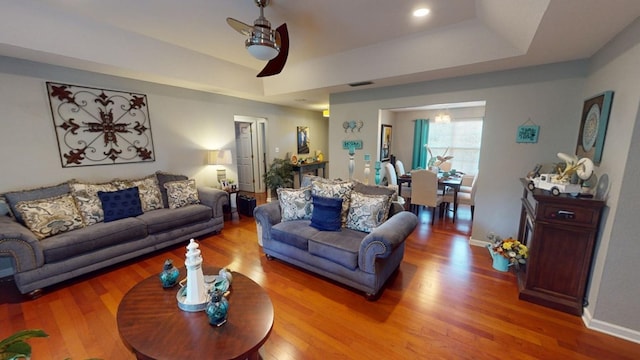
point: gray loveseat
(43, 261)
(358, 259)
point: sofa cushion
(81, 241)
(340, 247)
(164, 178)
(86, 196)
(308, 179)
(120, 204)
(181, 193)
(367, 211)
(295, 204)
(5, 210)
(373, 189)
(14, 197)
(50, 216)
(335, 189)
(167, 219)
(326, 213)
(149, 190)
(295, 233)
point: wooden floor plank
(445, 302)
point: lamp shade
(219, 157)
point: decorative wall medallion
(100, 127)
(593, 127)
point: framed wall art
(593, 126)
(303, 140)
(385, 143)
(527, 134)
(100, 127)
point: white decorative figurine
(196, 292)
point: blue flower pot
(500, 262)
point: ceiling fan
(264, 43)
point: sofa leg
(269, 257)
(34, 294)
(373, 297)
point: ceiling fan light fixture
(262, 51)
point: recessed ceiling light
(421, 12)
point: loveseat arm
(214, 198)
(266, 215)
(20, 244)
(381, 242)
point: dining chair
(392, 178)
(424, 192)
(464, 198)
(400, 168)
(467, 181)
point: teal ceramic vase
(500, 262)
(218, 308)
(169, 275)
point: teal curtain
(420, 137)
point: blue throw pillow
(326, 213)
(120, 204)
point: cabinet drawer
(567, 214)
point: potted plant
(279, 174)
(15, 346)
(507, 252)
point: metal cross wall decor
(100, 127)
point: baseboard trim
(587, 318)
(611, 329)
(481, 243)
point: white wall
(184, 124)
(551, 96)
(614, 294)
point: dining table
(450, 181)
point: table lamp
(220, 158)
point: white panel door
(244, 145)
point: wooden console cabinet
(560, 232)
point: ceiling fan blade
(275, 65)
(240, 27)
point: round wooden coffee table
(153, 327)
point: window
(460, 138)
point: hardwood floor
(446, 302)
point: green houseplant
(15, 347)
(279, 174)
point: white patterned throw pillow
(50, 216)
(367, 211)
(181, 193)
(150, 196)
(88, 202)
(295, 204)
(335, 189)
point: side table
(228, 209)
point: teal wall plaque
(357, 144)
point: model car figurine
(548, 182)
(560, 183)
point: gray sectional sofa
(43, 260)
(358, 259)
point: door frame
(258, 148)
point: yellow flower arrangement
(512, 249)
